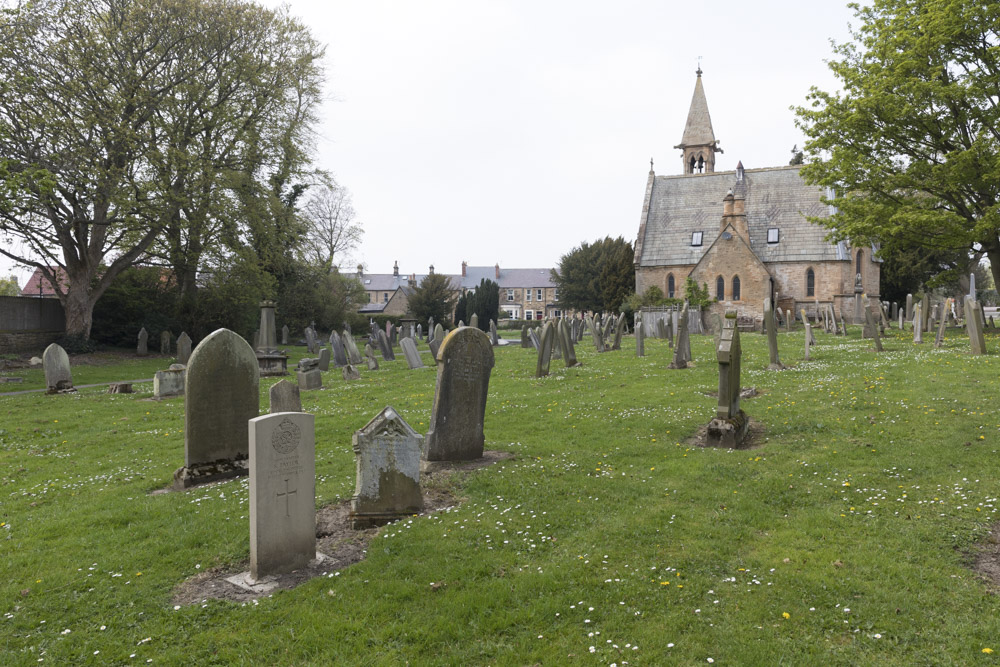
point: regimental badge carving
(286, 437)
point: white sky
(509, 132)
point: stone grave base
(363, 520)
(206, 473)
(272, 365)
(728, 433)
(62, 388)
(268, 583)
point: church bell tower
(699, 143)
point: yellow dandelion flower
(785, 614)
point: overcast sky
(510, 132)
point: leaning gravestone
(168, 383)
(387, 455)
(730, 424)
(595, 331)
(810, 339)
(284, 397)
(324, 359)
(871, 324)
(385, 347)
(165, 337)
(682, 353)
(222, 395)
(565, 336)
(142, 348)
(411, 353)
(58, 378)
(772, 337)
(619, 328)
(350, 373)
(494, 340)
(282, 493)
(545, 346)
(370, 357)
(353, 355)
(337, 348)
(939, 339)
(974, 326)
(533, 338)
(183, 348)
(640, 340)
(465, 361)
(525, 343)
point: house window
(527, 296)
(385, 297)
(539, 315)
(810, 283)
(540, 295)
(861, 254)
(670, 286)
(557, 313)
(720, 288)
(772, 235)
(696, 238)
(529, 314)
(555, 294)
(510, 295)
(736, 288)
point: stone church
(744, 234)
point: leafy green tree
(125, 121)
(434, 297)
(911, 145)
(462, 307)
(485, 303)
(697, 296)
(596, 277)
(8, 287)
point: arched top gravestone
(222, 395)
(55, 361)
(465, 361)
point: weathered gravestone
(545, 346)
(682, 353)
(385, 347)
(661, 328)
(788, 319)
(925, 310)
(58, 379)
(168, 383)
(353, 355)
(142, 348)
(165, 338)
(525, 343)
(438, 339)
(284, 335)
(387, 455)
(222, 395)
(565, 337)
(810, 339)
(309, 375)
(939, 339)
(350, 373)
(420, 332)
(918, 330)
(474, 321)
(533, 339)
(975, 327)
(619, 328)
(871, 324)
(337, 348)
(284, 397)
(411, 353)
(494, 340)
(640, 340)
(370, 357)
(730, 424)
(183, 348)
(909, 307)
(808, 336)
(595, 333)
(282, 493)
(324, 359)
(312, 345)
(465, 361)
(771, 325)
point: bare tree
(332, 229)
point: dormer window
(772, 235)
(696, 238)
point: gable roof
(677, 206)
(39, 285)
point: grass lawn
(847, 537)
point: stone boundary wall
(28, 324)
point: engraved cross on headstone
(285, 495)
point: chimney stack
(498, 271)
(395, 268)
(464, 267)
(361, 272)
(432, 270)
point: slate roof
(698, 129)
(509, 278)
(775, 197)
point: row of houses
(527, 294)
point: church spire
(699, 143)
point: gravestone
(309, 378)
(808, 336)
(385, 347)
(465, 361)
(869, 328)
(918, 330)
(493, 333)
(900, 316)
(183, 348)
(337, 348)
(324, 359)
(168, 383)
(925, 311)
(221, 395)
(370, 357)
(939, 339)
(596, 334)
(420, 331)
(972, 286)
(661, 328)
(284, 397)
(411, 353)
(640, 340)
(525, 343)
(390, 332)
(909, 308)
(871, 324)
(387, 456)
(350, 373)
(142, 349)
(894, 313)
(619, 328)
(556, 345)
(976, 340)
(58, 379)
(284, 335)
(165, 338)
(682, 352)
(353, 355)
(533, 338)
(565, 336)
(717, 321)
(810, 339)
(311, 342)
(772, 337)
(474, 321)
(270, 360)
(730, 425)
(545, 346)
(788, 319)
(282, 493)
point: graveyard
(853, 528)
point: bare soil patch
(986, 561)
(335, 539)
(754, 438)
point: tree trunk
(79, 308)
(993, 253)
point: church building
(744, 234)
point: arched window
(810, 282)
(693, 163)
(858, 271)
(720, 288)
(736, 288)
(701, 163)
(670, 286)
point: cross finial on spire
(651, 164)
(698, 71)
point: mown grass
(857, 516)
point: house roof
(509, 278)
(38, 280)
(776, 197)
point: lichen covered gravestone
(682, 353)
(975, 327)
(545, 346)
(58, 379)
(165, 338)
(565, 335)
(282, 493)
(465, 361)
(309, 375)
(337, 349)
(222, 395)
(370, 357)
(324, 359)
(387, 455)
(730, 425)
(142, 349)
(350, 373)
(284, 397)
(353, 355)
(411, 354)
(183, 348)
(168, 383)
(640, 340)
(772, 337)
